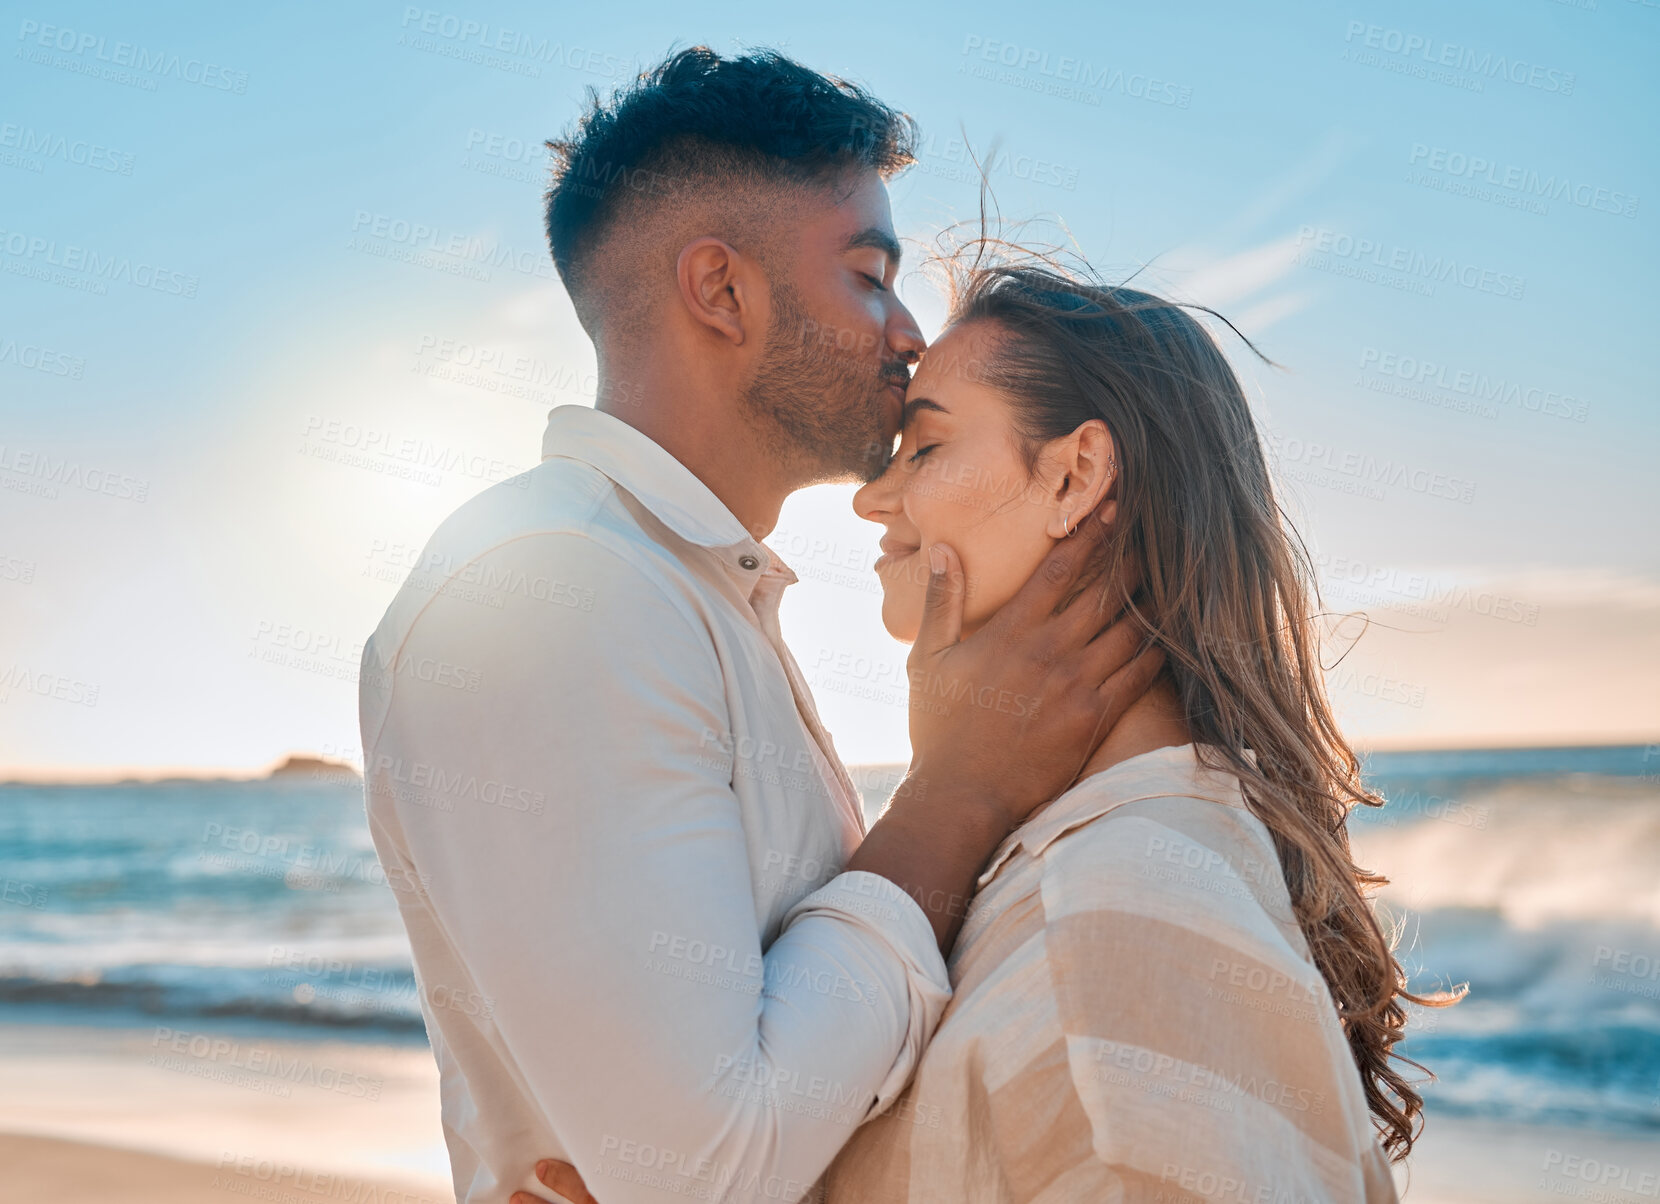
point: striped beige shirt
(1135, 1018)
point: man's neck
(718, 447)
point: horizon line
(146, 775)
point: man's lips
(898, 413)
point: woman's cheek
(995, 569)
(902, 601)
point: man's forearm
(933, 841)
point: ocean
(1532, 875)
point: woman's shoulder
(1194, 856)
(1207, 834)
(1170, 806)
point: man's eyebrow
(874, 236)
(919, 403)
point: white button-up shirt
(616, 829)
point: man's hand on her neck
(1001, 722)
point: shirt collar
(633, 460)
(663, 485)
(1173, 770)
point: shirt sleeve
(588, 866)
(1199, 1054)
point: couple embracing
(1105, 942)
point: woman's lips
(893, 552)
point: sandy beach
(168, 1114)
(188, 1116)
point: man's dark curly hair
(700, 123)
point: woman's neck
(1153, 721)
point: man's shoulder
(558, 496)
(548, 535)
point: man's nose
(905, 336)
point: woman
(1171, 985)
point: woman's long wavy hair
(1226, 592)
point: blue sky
(255, 262)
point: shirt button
(749, 562)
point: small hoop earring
(1067, 522)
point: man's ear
(718, 287)
(1087, 475)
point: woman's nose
(877, 499)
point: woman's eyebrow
(919, 403)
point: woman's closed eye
(921, 452)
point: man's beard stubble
(820, 407)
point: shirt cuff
(878, 906)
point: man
(633, 869)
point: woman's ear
(715, 286)
(1088, 475)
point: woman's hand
(561, 1178)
